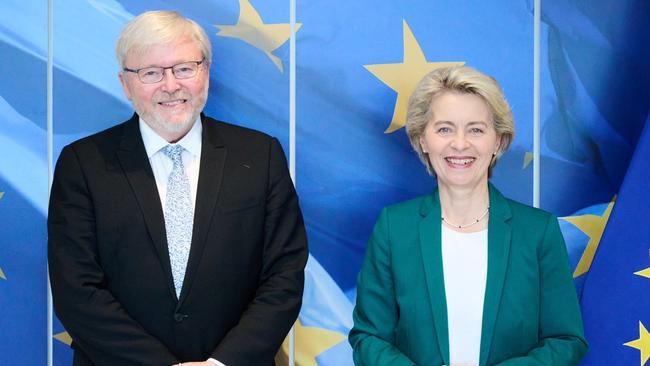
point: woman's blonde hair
(459, 79)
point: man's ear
(125, 86)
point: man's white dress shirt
(162, 165)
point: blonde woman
(464, 275)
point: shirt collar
(153, 142)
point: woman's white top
(464, 259)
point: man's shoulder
(232, 133)
(108, 136)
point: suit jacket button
(178, 317)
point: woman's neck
(466, 207)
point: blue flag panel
(23, 183)
(594, 97)
(616, 294)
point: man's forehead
(179, 48)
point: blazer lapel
(430, 237)
(213, 158)
(499, 232)
(135, 163)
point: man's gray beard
(173, 128)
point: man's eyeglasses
(151, 75)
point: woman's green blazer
(530, 315)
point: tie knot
(174, 152)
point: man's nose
(170, 83)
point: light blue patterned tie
(179, 216)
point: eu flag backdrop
(594, 101)
(616, 294)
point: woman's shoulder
(529, 214)
(409, 207)
(507, 207)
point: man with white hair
(174, 238)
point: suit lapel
(430, 237)
(135, 163)
(213, 158)
(499, 233)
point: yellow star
(63, 337)
(644, 273)
(310, 342)
(593, 226)
(642, 344)
(251, 29)
(403, 77)
(528, 158)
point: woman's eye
(444, 130)
(476, 131)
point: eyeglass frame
(162, 75)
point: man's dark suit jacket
(109, 264)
